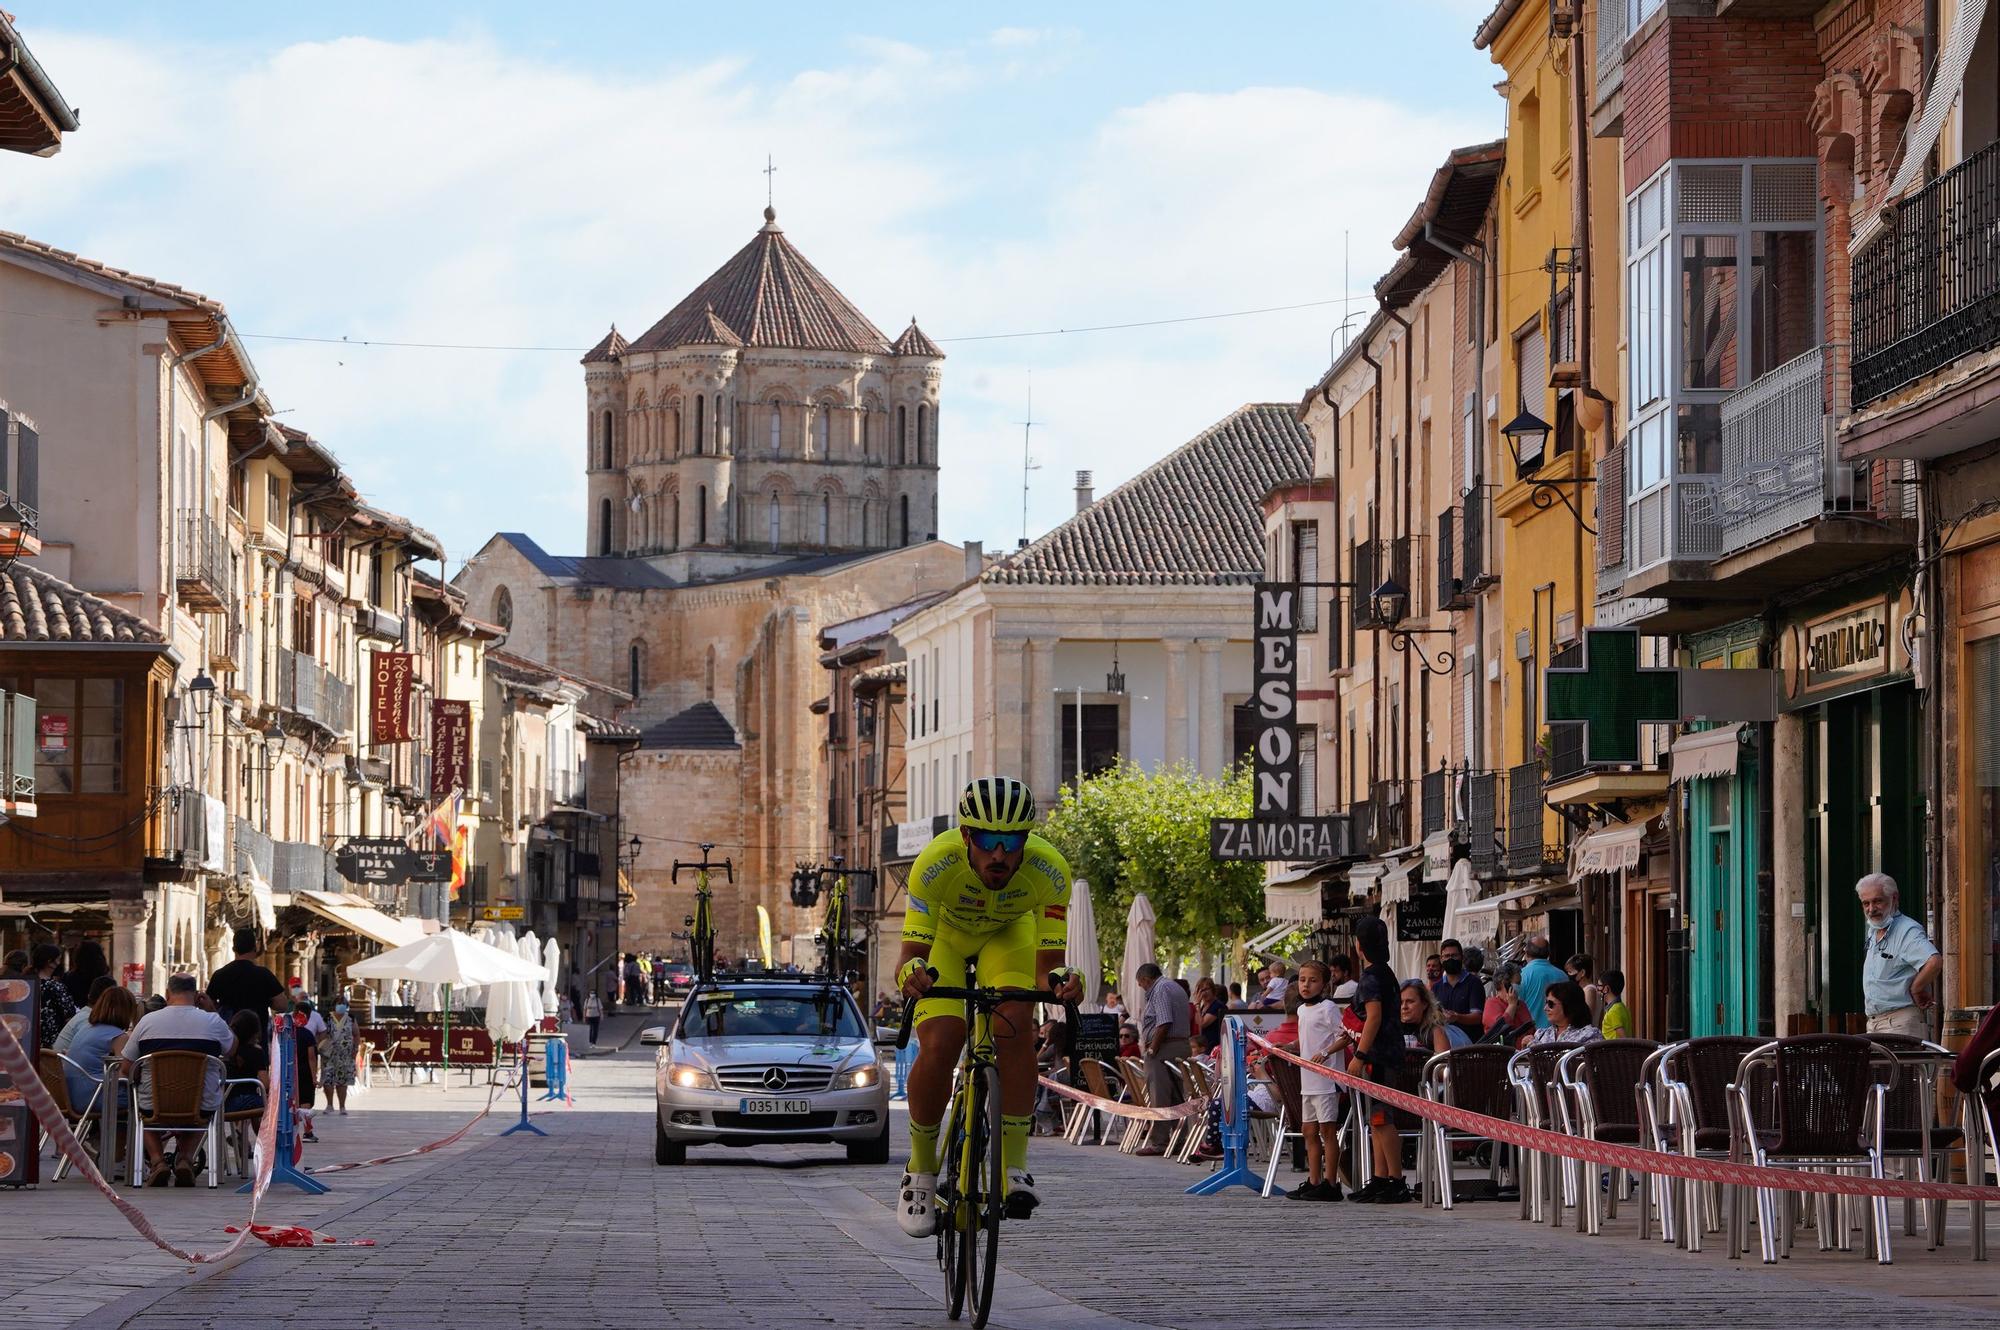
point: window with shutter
(1305, 568)
(1531, 383)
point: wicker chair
(1911, 1131)
(1656, 1135)
(1286, 1080)
(51, 1066)
(1823, 1107)
(1133, 1073)
(1602, 1084)
(1473, 1076)
(1695, 1077)
(175, 1079)
(1549, 1182)
(1097, 1082)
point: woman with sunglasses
(1569, 1017)
(989, 889)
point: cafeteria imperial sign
(1276, 828)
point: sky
(506, 180)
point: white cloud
(454, 190)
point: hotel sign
(1277, 828)
(392, 674)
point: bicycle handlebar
(706, 865)
(984, 998)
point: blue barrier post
(1235, 1169)
(555, 1067)
(524, 1124)
(284, 1067)
(906, 1058)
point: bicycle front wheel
(982, 1234)
(950, 1207)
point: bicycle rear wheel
(982, 1233)
(949, 1207)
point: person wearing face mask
(1459, 992)
(336, 1057)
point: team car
(757, 1060)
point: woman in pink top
(1503, 1003)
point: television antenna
(1028, 463)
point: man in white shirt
(187, 1023)
(1321, 1039)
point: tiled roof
(612, 347)
(634, 574)
(700, 726)
(1195, 517)
(767, 295)
(1495, 23)
(36, 606)
(914, 343)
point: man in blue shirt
(1900, 965)
(1459, 991)
(1538, 976)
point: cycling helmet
(996, 803)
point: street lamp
(1389, 602)
(1527, 436)
(1114, 682)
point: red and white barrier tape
(14, 1061)
(1118, 1108)
(1636, 1158)
(455, 1137)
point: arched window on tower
(777, 429)
(503, 608)
(924, 434)
(906, 519)
(673, 502)
(674, 428)
(700, 422)
(708, 676)
(902, 435)
(607, 463)
(700, 510)
(867, 432)
(635, 668)
(822, 428)
(774, 518)
(604, 526)
(826, 519)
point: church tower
(761, 420)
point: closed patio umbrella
(552, 962)
(448, 958)
(1082, 946)
(1140, 946)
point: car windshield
(812, 1014)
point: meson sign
(1277, 828)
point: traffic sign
(499, 912)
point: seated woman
(1425, 1030)
(1504, 1008)
(112, 1016)
(248, 1061)
(1569, 1017)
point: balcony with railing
(201, 562)
(1607, 113)
(1436, 795)
(310, 691)
(303, 866)
(1486, 821)
(20, 485)
(1526, 852)
(1375, 562)
(1390, 823)
(1478, 569)
(1451, 591)
(1926, 291)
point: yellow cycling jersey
(946, 894)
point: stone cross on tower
(770, 169)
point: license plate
(775, 1107)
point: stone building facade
(762, 461)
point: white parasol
(1082, 951)
(1139, 946)
(552, 962)
(450, 958)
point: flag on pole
(461, 850)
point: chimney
(1082, 490)
(975, 558)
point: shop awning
(1256, 945)
(358, 916)
(1607, 850)
(1707, 753)
(1437, 856)
(1481, 918)
(1297, 904)
(1362, 877)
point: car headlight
(688, 1076)
(858, 1078)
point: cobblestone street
(580, 1229)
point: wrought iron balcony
(1476, 562)
(201, 568)
(308, 690)
(1437, 801)
(1525, 811)
(1926, 292)
(1376, 561)
(303, 866)
(20, 485)
(1390, 800)
(371, 621)
(1485, 808)
(1451, 590)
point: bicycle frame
(701, 937)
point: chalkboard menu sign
(20, 1138)
(1097, 1035)
(1420, 918)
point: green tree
(1128, 830)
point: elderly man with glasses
(1899, 970)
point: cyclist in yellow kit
(988, 888)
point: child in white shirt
(1322, 1039)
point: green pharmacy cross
(1612, 696)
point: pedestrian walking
(1164, 1029)
(336, 1057)
(593, 1015)
(1901, 965)
(1538, 976)
(635, 980)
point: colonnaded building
(761, 461)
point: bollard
(555, 1067)
(1235, 1170)
(906, 1057)
(284, 1068)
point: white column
(1788, 867)
(1177, 700)
(1211, 712)
(1010, 682)
(1041, 716)
(128, 936)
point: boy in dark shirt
(1378, 1054)
(243, 984)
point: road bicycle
(700, 936)
(971, 1187)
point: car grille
(777, 1123)
(750, 1079)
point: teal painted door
(1725, 976)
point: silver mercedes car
(768, 1061)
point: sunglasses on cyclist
(1006, 842)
